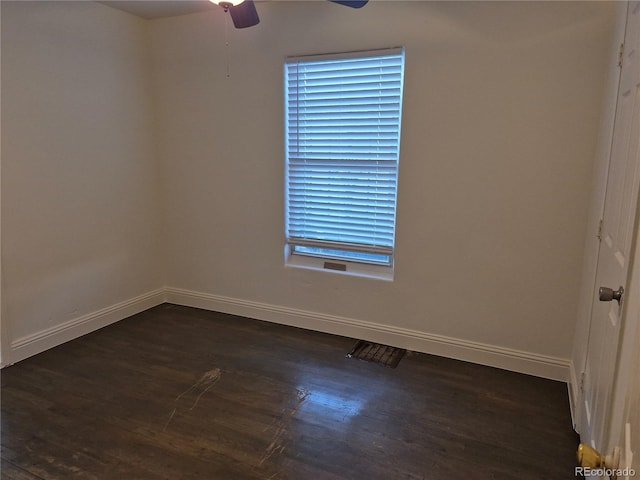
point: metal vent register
(377, 353)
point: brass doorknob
(589, 457)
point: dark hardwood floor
(182, 393)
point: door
(617, 240)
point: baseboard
(490, 355)
(484, 354)
(33, 344)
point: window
(343, 115)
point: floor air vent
(374, 352)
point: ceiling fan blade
(351, 3)
(244, 15)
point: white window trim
(366, 270)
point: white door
(617, 237)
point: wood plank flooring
(181, 393)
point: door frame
(628, 355)
(626, 387)
(4, 330)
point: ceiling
(161, 8)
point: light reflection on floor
(324, 403)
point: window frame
(383, 265)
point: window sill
(378, 272)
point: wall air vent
(335, 266)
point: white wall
(122, 158)
(80, 222)
(500, 120)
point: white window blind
(343, 116)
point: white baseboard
(490, 355)
(38, 342)
(484, 354)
